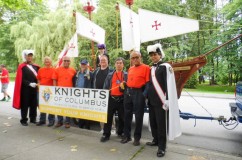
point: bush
(192, 82)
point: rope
(198, 103)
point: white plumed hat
(156, 48)
(26, 52)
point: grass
(220, 89)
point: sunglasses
(66, 60)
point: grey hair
(120, 59)
(135, 51)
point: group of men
(128, 93)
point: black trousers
(113, 106)
(83, 123)
(158, 119)
(28, 102)
(134, 102)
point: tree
(11, 13)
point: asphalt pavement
(41, 142)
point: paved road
(206, 134)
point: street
(206, 134)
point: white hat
(26, 52)
(156, 48)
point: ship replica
(183, 70)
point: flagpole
(89, 8)
(117, 9)
(129, 3)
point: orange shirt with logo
(45, 76)
(64, 76)
(138, 76)
(116, 80)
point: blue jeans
(60, 119)
(51, 118)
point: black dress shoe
(40, 123)
(33, 121)
(125, 140)
(160, 153)
(136, 143)
(152, 143)
(104, 139)
(24, 123)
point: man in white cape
(162, 101)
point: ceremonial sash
(32, 69)
(157, 86)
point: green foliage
(192, 82)
(206, 88)
(33, 26)
(46, 35)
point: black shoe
(33, 121)
(136, 143)
(40, 123)
(104, 139)
(4, 99)
(160, 153)
(121, 136)
(152, 143)
(125, 140)
(51, 124)
(24, 123)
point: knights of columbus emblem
(46, 94)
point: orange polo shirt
(45, 76)
(64, 76)
(116, 80)
(138, 76)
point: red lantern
(89, 8)
(129, 2)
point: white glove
(33, 85)
(166, 105)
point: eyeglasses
(66, 60)
(137, 57)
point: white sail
(155, 25)
(71, 49)
(130, 29)
(88, 29)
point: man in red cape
(25, 91)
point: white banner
(88, 29)
(91, 104)
(70, 50)
(155, 25)
(130, 29)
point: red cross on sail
(155, 25)
(93, 33)
(131, 22)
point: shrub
(192, 82)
